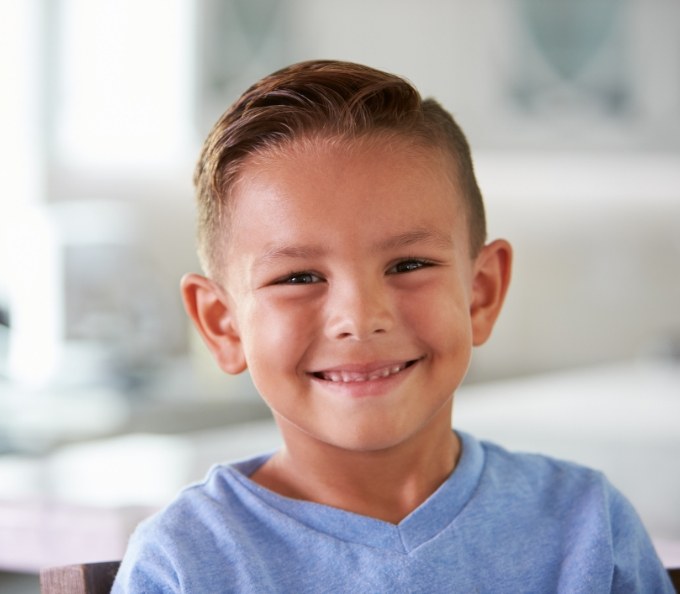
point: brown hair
(326, 99)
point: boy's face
(350, 292)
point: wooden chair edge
(674, 573)
(82, 578)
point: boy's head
(321, 99)
(344, 233)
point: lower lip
(376, 387)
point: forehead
(372, 156)
(316, 189)
(385, 143)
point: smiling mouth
(347, 376)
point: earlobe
(208, 306)
(492, 270)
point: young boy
(342, 234)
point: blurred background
(108, 401)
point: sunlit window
(106, 49)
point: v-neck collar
(424, 523)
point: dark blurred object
(88, 578)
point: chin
(368, 441)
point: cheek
(440, 318)
(277, 336)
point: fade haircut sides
(320, 98)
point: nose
(359, 310)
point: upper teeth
(350, 376)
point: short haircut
(321, 98)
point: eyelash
(411, 264)
(294, 278)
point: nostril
(359, 314)
(359, 334)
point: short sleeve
(637, 567)
(146, 568)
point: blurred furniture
(37, 534)
(674, 572)
(86, 578)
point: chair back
(674, 572)
(85, 578)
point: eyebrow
(290, 251)
(409, 238)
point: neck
(386, 484)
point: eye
(409, 265)
(299, 278)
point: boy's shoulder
(535, 481)
(221, 492)
(541, 470)
(191, 536)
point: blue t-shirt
(502, 522)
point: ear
(492, 269)
(211, 311)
